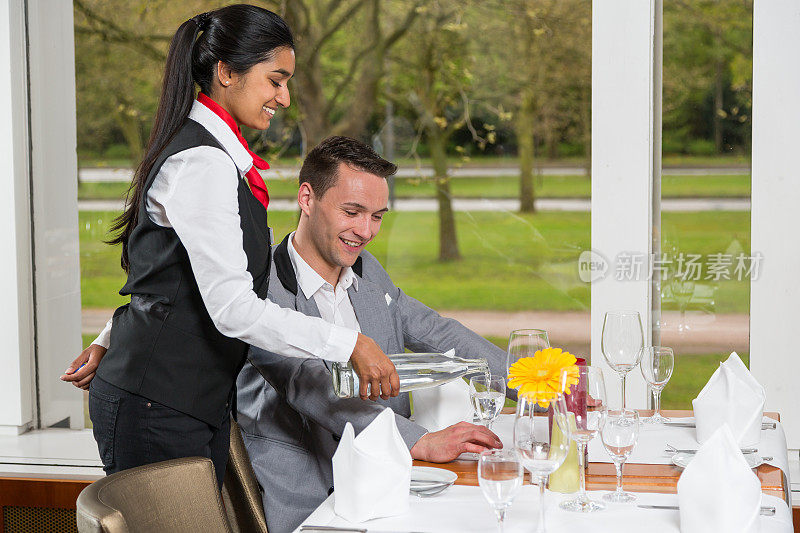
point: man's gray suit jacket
(290, 418)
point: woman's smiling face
(253, 97)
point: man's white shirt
(333, 302)
(196, 193)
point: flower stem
(582, 471)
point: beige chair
(180, 495)
(240, 491)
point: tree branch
(111, 32)
(336, 26)
(403, 28)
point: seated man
(290, 417)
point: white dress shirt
(195, 193)
(333, 302)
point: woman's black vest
(164, 345)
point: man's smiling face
(347, 217)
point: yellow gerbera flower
(539, 377)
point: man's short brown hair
(321, 167)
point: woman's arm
(196, 194)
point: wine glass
(525, 343)
(500, 478)
(656, 366)
(540, 450)
(587, 401)
(622, 342)
(488, 397)
(619, 434)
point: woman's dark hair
(240, 36)
(321, 166)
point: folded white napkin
(439, 407)
(371, 472)
(718, 491)
(732, 396)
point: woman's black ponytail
(238, 35)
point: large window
(704, 271)
(486, 107)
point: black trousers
(131, 430)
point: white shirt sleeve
(195, 192)
(104, 339)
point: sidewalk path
(101, 174)
(486, 204)
(569, 330)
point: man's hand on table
(81, 372)
(447, 444)
(374, 370)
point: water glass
(622, 342)
(488, 395)
(538, 451)
(525, 343)
(656, 366)
(587, 400)
(619, 435)
(500, 478)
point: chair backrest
(240, 491)
(179, 495)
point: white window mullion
(625, 164)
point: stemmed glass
(619, 434)
(622, 342)
(587, 399)
(657, 365)
(500, 478)
(488, 397)
(539, 452)
(525, 343)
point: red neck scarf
(257, 185)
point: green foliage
(353, 56)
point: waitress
(196, 248)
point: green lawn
(717, 186)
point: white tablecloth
(463, 509)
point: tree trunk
(524, 130)
(448, 242)
(586, 112)
(718, 106)
(131, 127)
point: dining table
(660, 478)
(462, 507)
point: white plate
(421, 475)
(754, 460)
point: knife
(764, 425)
(314, 529)
(332, 529)
(764, 511)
